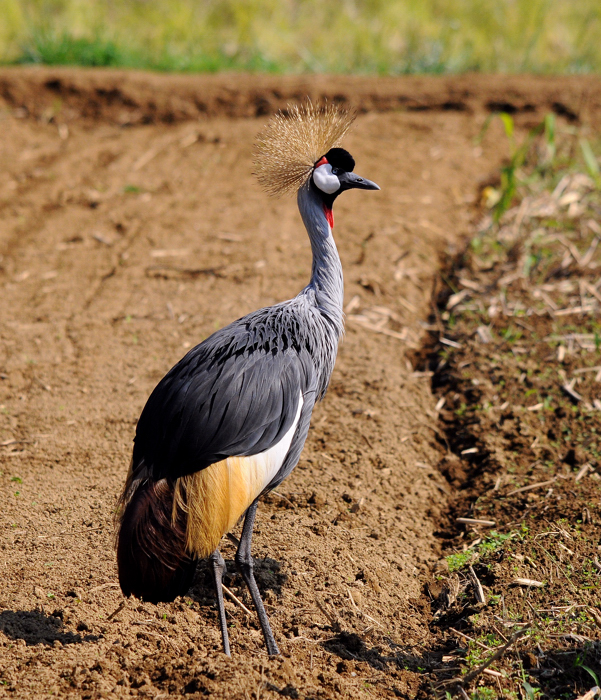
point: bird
(229, 421)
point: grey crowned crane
(229, 421)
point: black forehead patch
(339, 158)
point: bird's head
(333, 174)
(298, 151)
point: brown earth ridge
(130, 229)
(132, 97)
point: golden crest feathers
(288, 147)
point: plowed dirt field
(131, 228)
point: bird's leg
(218, 566)
(245, 563)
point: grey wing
(235, 394)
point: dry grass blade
(490, 672)
(484, 334)
(157, 635)
(527, 583)
(235, 599)
(332, 618)
(233, 539)
(574, 310)
(451, 343)
(592, 693)
(478, 590)
(469, 639)
(591, 290)
(569, 390)
(588, 256)
(584, 469)
(475, 521)
(103, 586)
(538, 485)
(469, 677)
(450, 591)
(120, 607)
(145, 158)
(284, 498)
(365, 323)
(596, 615)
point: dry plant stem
(478, 590)
(560, 568)
(385, 331)
(528, 583)
(104, 585)
(490, 672)
(284, 498)
(534, 612)
(471, 639)
(68, 534)
(592, 693)
(117, 611)
(333, 620)
(469, 677)
(235, 599)
(569, 390)
(532, 486)
(583, 471)
(503, 637)
(233, 539)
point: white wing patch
(248, 476)
(325, 179)
(216, 497)
(270, 461)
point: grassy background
(354, 36)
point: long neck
(326, 276)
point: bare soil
(130, 228)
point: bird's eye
(335, 171)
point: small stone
(316, 499)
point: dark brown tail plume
(151, 551)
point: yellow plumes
(215, 498)
(291, 143)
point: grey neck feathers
(326, 276)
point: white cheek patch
(325, 179)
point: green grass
(458, 561)
(347, 36)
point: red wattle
(322, 161)
(329, 216)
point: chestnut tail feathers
(151, 544)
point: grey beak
(352, 181)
